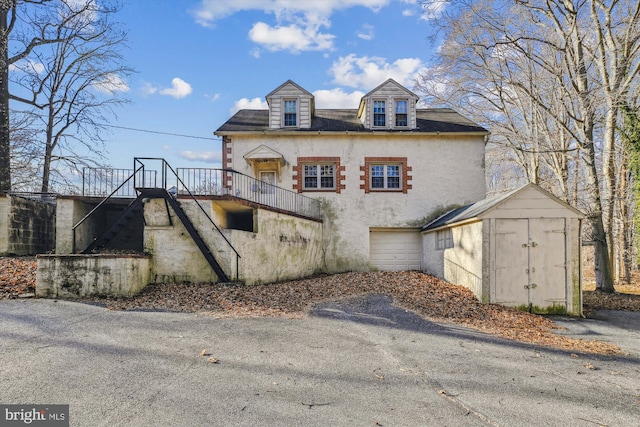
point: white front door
(269, 180)
(268, 176)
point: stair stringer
(216, 239)
(200, 230)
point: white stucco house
(305, 190)
(379, 169)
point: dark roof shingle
(430, 120)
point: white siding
(530, 203)
(461, 264)
(290, 91)
(389, 93)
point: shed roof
(474, 210)
(429, 120)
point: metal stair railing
(166, 168)
(98, 206)
(112, 229)
(228, 182)
(191, 229)
(99, 182)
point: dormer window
(389, 106)
(379, 113)
(290, 113)
(401, 113)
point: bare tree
(536, 58)
(630, 181)
(73, 87)
(485, 77)
(26, 42)
(616, 51)
(25, 155)
(27, 27)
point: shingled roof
(431, 120)
(473, 210)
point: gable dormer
(290, 107)
(389, 106)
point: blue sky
(199, 61)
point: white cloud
(111, 84)
(368, 72)
(210, 11)
(298, 23)
(213, 97)
(337, 98)
(433, 9)
(28, 66)
(249, 104)
(255, 52)
(366, 32)
(149, 89)
(201, 156)
(291, 37)
(179, 88)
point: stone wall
(27, 227)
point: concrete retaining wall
(27, 227)
(281, 247)
(73, 276)
(72, 209)
(284, 247)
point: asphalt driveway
(357, 363)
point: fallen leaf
(420, 293)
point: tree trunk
(50, 144)
(5, 140)
(46, 169)
(604, 278)
(610, 184)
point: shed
(519, 249)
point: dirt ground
(423, 294)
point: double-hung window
(321, 176)
(379, 113)
(290, 112)
(401, 113)
(385, 177)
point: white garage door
(395, 250)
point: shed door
(395, 250)
(511, 261)
(530, 263)
(548, 274)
